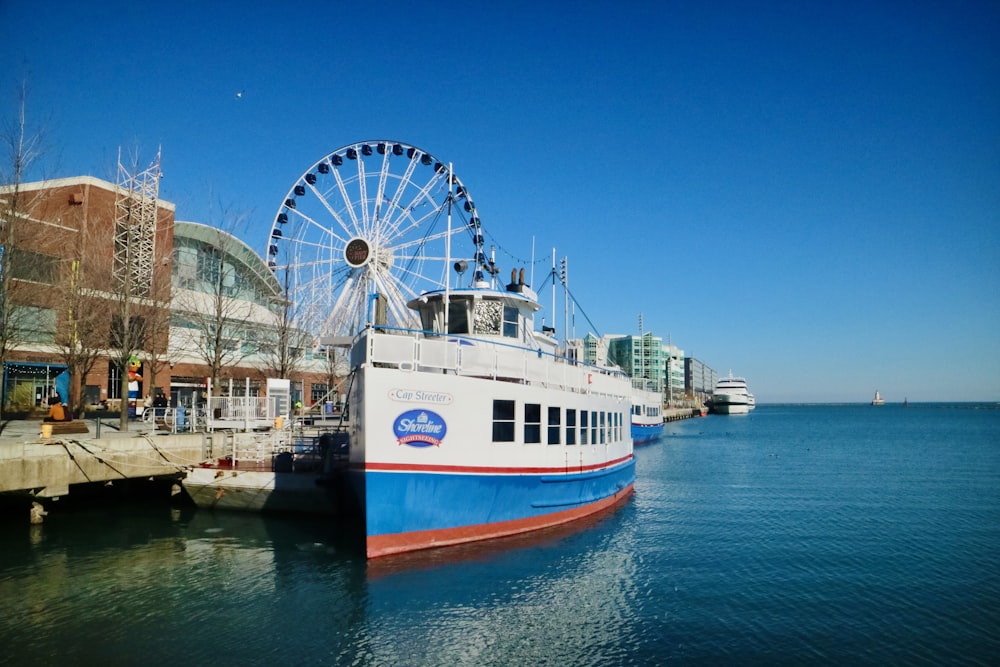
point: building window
(503, 421)
(532, 423)
(317, 393)
(37, 324)
(33, 267)
(555, 426)
(209, 268)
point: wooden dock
(676, 414)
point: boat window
(510, 316)
(532, 423)
(584, 429)
(570, 426)
(487, 317)
(554, 425)
(503, 421)
(458, 315)
(593, 427)
(603, 415)
(430, 316)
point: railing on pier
(289, 450)
(175, 420)
(242, 412)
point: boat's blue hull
(407, 510)
(645, 433)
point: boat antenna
(563, 271)
(553, 285)
(531, 279)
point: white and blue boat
(474, 429)
(647, 414)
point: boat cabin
(480, 312)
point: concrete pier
(48, 469)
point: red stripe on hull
(385, 545)
(487, 470)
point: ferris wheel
(373, 223)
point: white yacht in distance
(732, 397)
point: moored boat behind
(732, 397)
(647, 414)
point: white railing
(238, 408)
(278, 450)
(244, 412)
(480, 358)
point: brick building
(62, 253)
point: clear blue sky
(806, 193)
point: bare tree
(337, 369)
(215, 317)
(23, 148)
(157, 333)
(81, 339)
(286, 343)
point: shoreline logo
(419, 428)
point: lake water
(794, 535)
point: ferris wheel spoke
(415, 275)
(382, 182)
(404, 181)
(342, 187)
(424, 240)
(421, 197)
(431, 218)
(396, 301)
(346, 293)
(324, 231)
(363, 198)
(327, 280)
(322, 198)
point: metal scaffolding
(135, 228)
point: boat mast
(447, 253)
